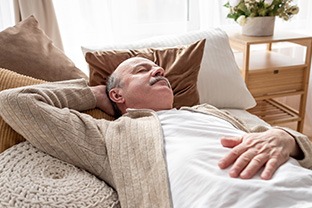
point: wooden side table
(270, 75)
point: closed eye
(142, 70)
(142, 67)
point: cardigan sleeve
(47, 115)
(305, 145)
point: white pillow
(219, 80)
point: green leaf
(227, 5)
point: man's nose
(158, 71)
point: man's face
(143, 85)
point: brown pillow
(26, 49)
(10, 79)
(181, 66)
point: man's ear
(116, 96)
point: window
(6, 14)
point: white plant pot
(259, 26)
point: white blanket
(193, 150)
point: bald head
(131, 64)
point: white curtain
(99, 22)
(6, 14)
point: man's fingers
(231, 157)
(231, 141)
(270, 168)
(254, 166)
(241, 163)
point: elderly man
(153, 153)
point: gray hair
(112, 82)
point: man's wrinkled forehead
(129, 65)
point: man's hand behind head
(102, 101)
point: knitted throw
(31, 178)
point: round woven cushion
(31, 178)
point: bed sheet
(192, 163)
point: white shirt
(193, 149)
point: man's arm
(48, 116)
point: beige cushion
(26, 49)
(10, 79)
(181, 66)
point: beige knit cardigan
(127, 153)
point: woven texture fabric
(31, 178)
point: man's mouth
(158, 79)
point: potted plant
(257, 17)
